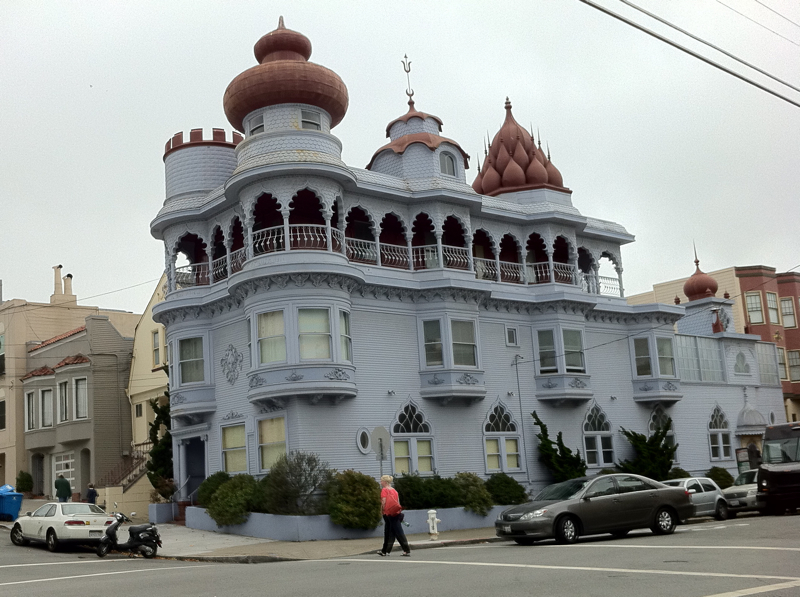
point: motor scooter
(142, 538)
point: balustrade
(394, 256)
(195, 274)
(609, 286)
(268, 240)
(485, 269)
(219, 269)
(538, 273)
(512, 272)
(564, 273)
(238, 257)
(426, 257)
(455, 257)
(361, 251)
(308, 236)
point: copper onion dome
(284, 76)
(699, 285)
(514, 162)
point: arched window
(412, 442)
(447, 164)
(658, 420)
(719, 437)
(597, 438)
(501, 441)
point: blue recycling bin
(10, 503)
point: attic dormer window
(447, 164)
(257, 125)
(310, 120)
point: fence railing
(268, 240)
(394, 256)
(238, 258)
(512, 272)
(538, 273)
(455, 257)
(308, 236)
(219, 268)
(195, 274)
(426, 257)
(564, 273)
(128, 470)
(609, 286)
(361, 251)
(485, 269)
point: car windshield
(69, 509)
(781, 450)
(562, 491)
(746, 478)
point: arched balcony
(395, 250)
(563, 268)
(537, 261)
(359, 240)
(268, 226)
(307, 227)
(511, 270)
(424, 245)
(238, 251)
(455, 253)
(483, 256)
(219, 256)
(195, 270)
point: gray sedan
(741, 495)
(613, 504)
(706, 496)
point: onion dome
(413, 113)
(284, 76)
(750, 421)
(699, 285)
(514, 162)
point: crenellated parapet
(201, 163)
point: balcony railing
(315, 237)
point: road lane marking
(746, 548)
(571, 568)
(61, 578)
(757, 590)
(97, 561)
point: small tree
(159, 467)
(557, 457)
(293, 483)
(653, 455)
(720, 476)
(476, 497)
(233, 501)
(506, 490)
(354, 500)
(24, 482)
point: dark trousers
(393, 529)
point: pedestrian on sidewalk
(392, 518)
(91, 494)
(63, 489)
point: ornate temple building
(397, 309)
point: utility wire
(690, 52)
(710, 45)
(791, 41)
(777, 13)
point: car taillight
(75, 523)
(687, 493)
(108, 522)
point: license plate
(733, 503)
(507, 528)
(95, 533)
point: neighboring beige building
(23, 324)
(665, 292)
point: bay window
(787, 312)
(30, 411)
(754, 312)
(465, 352)
(573, 351)
(432, 332)
(47, 408)
(547, 351)
(63, 401)
(81, 399)
(569, 343)
(345, 340)
(772, 308)
(782, 363)
(271, 337)
(271, 441)
(191, 361)
(234, 451)
(156, 349)
(314, 333)
(641, 350)
(666, 360)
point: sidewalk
(183, 543)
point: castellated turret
(199, 165)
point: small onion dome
(699, 285)
(413, 113)
(514, 163)
(284, 76)
(750, 421)
(429, 139)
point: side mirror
(692, 491)
(28, 513)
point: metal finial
(539, 134)
(280, 23)
(548, 152)
(407, 67)
(696, 260)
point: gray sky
(643, 134)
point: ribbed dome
(750, 421)
(699, 285)
(284, 76)
(514, 162)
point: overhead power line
(691, 52)
(779, 14)
(791, 41)
(710, 45)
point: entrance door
(37, 472)
(195, 464)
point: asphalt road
(745, 556)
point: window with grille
(547, 351)
(63, 402)
(772, 308)
(345, 339)
(641, 350)
(767, 364)
(794, 364)
(787, 312)
(156, 349)
(782, 363)
(30, 411)
(598, 441)
(64, 464)
(719, 435)
(754, 311)
(501, 441)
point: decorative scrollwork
(646, 387)
(257, 381)
(338, 374)
(177, 399)
(577, 383)
(231, 363)
(670, 387)
(549, 384)
(233, 415)
(436, 380)
(468, 379)
(294, 376)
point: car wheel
(524, 541)
(567, 530)
(103, 549)
(148, 551)
(52, 540)
(620, 534)
(17, 538)
(722, 511)
(664, 523)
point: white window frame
(181, 360)
(452, 343)
(756, 295)
(643, 341)
(256, 125)
(793, 362)
(156, 348)
(447, 159)
(783, 369)
(772, 297)
(789, 312)
(75, 397)
(559, 349)
(138, 410)
(67, 460)
(598, 436)
(345, 336)
(298, 333)
(442, 341)
(310, 117)
(502, 437)
(717, 437)
(412, 438)
(445, 322)
(30, 411)
(63, 417)
(515, 330)
(223, 450)
(43, 399)
(671, 356)
(280, 415)
(259, 338)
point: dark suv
(779, 474)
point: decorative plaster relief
(577, 383)
(338, 374)
(257, 381)
(670, 387)
(177, 399)
(436, 380)
(233, 415)
(231, 363)
(549, 384)
(294, 376)
(468, 379)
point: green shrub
(354, 500)
(233, 501)
(24, 482)
(720, 476)
(294, 484)
(423, 493)
(506, 490)
(476, 497)
(607, 471)
(678, 473)
(209, 487)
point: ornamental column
(287, 240)
(248, 224)
(439, 252)
(619, 278)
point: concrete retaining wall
(161, 513)
(320, 528)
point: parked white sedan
(57, 523)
